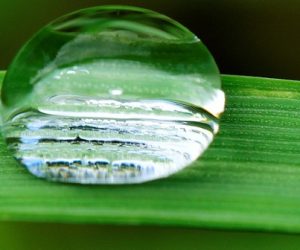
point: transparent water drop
(111, 95)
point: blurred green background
(36, 236)
(247, 37)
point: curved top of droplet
(104, 37)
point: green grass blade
(248, 179)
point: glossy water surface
(111, 95)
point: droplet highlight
(111, 95)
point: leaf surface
(249, 178)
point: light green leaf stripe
(248, 179)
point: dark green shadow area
(44, 236)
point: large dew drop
(111, 95)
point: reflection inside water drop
(111, 95)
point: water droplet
(111, 95)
